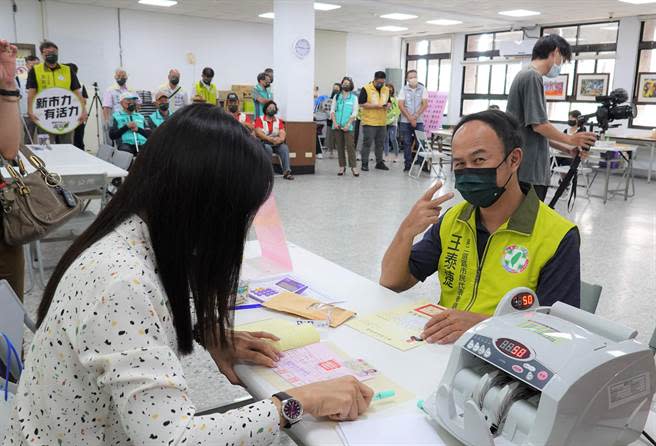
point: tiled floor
(350, 221)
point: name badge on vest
(61, 77)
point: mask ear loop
(511, 174)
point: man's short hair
(546, 44)
(380, 75)
(207, 71)
(266, 105)
(504, 125)
(410, 72)
(268, 70)
(575, 113)
(262, 76)
(47, 44)
(31, 58)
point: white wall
(367, 54)
(330, 59)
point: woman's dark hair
(267, 103)
(546, 44)
(504, 125)
(188, 185)
(47, 44)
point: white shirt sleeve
(356, 107)
(125, 343)
(401, 96)
(424, 95)
(333, 105)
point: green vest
(60, 77)
(122, 118)
(157, 118)
(513, 257)
(344, 109)
(209, 95)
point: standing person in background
(269, 72)
(112, 97)
(78, 133)
(129, 126)
(52, 74)
(330, 143)
(343, 112)
(392, 118)
(526, 102)
(271, 131)
(262, 93)
(30, 61)
(205, 88)
(12, 264)
(178, 96)
(374, 101)
(162, 113)
(413, 100)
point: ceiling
(362, 16)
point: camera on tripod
(609, 111)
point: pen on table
(247, 307)
(383, 395)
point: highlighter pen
(383, 395)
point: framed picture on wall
(646, 88)
(555, 89)
(589, 86)
(24, 50)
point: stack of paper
(405, 429)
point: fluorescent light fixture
(398, 16)
(444, 22)
(165, 3)
(638, 2)
(267, 15)
(519, 13)
(391, 28)
(325, 6)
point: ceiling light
(325, 6)
(519, 13)
(398, 16)
(444, 22)
(165, 3)
(391, 28)
(638, 2)
(267, 15)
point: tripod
(97, 103)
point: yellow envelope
(291, 335)
(308, 308)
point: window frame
(428, 57)
(642, 45)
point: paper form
(291, 335)
(404, 429)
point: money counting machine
(551, 376)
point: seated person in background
(161, 114)
(271, 131)
(501, 238)
(129, 126)
(232, 106)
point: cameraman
(527, 103)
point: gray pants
(345, 145)
(373, 135)
(283, 152)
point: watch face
(293, 410)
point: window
(432, 60)
(646, 64)
(593, 47)
(487, 83)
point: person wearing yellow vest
(129, 126)
(374, 101)
(205, 88)
(51, 74)
(500, 238)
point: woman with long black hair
(157, 269)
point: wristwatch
(292, 409)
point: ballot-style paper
(271, 237)
(404, 429)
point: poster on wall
(434, 113)
(58, 110)
(555, 89)
(589, 86)
(24, 50)
(646, 88)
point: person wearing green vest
(51, 74)
(343, 111)
(129, 126)
(161, 114)
(205, 88)
(500, 238)
(393, 113)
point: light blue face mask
(554, 71)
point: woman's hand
(246, 347)
(7, 65)
(339, 399)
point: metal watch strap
(282, 396)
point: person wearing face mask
(374, 101)
(50, 74)
(161, 114)
(343, 113)
(232, 106)
(178, 96)
(112, 97)
(129, 126)
(501, 237)
(392, 126)
(262, 93)
(413, 100)
(271, 131)
(527, 103)
(205, 88)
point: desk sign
(58, 110)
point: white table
(627, 152)
(418, 370)
(637, 136)
(66, 159)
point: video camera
(609, 110)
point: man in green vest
(51, 74)
(500, 238)
(128, 125)
(205, 88)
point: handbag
(34, 204)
